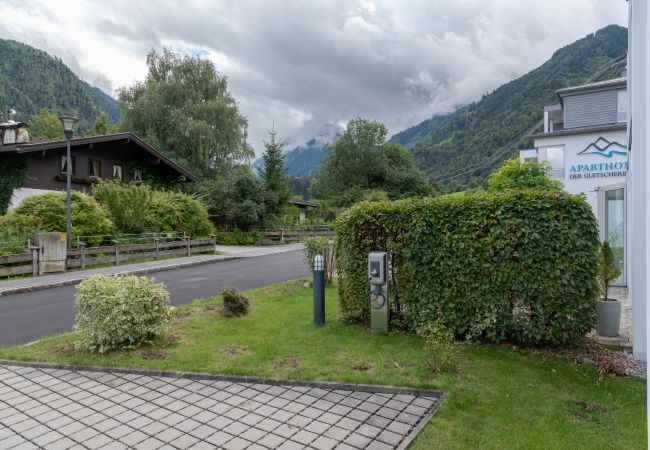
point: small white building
(585, 142)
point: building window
(95, 168)
(64, 164)
(137, 176)
(615, 227)
(555, 157)
(622, 106)
(533, 159)
(118, 172)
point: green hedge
(517, 266)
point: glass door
(613, 225)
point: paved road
(33, 315)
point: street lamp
(68, 123)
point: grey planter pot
(608, 317)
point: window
(95, 168)
(622, 106)
(64, 164)
(118, 172)
(615, 227)
(534, 159)
(137, 176)
(555, 157)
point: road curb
(326, 385)
(143, 271)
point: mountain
(303, 159)
(31, 79)
(413, 135)
(459, 150)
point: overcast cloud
(311, 65)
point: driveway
(30, 316)
(58, 408)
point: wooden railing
(83, 256)
(295, 234)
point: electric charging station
(377, 276)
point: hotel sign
(601, 148)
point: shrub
(439, 342)
(175, 211)
(239, 237)
(608, 271)
(47, 213)
(320, 245)
(235, 304)
(518, 266)
(120, 312)
(127, 203)
(529, 175)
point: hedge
(516, 266)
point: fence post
(187, 244)
(282, 235)
(82, 254)
(157, 249)
(34, 251)
(214, 242)
(117, 252)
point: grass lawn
(498, 399)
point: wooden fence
(295, 234)
(83, 256)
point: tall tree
(45, 125)
(361, 160)
(273, 174)
(185, 109)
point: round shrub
(235, 304)
(175, 211)
(47, 213)
(120, 312)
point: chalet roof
(37, 146)
(303, 203)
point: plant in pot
(608, 309)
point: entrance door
(612, 224)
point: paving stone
(63, 409)
(304, 437)
(219, 438)
(271, 440)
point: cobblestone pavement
(60, 409)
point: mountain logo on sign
(604, 148)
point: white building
(585, 141)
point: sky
(307, 67)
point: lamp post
(68, 123)
(319, 290)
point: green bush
(120, 312)
(175, 211)
(127, 203)
(320, 245)
(47, 213)
(517, 266)
(235, 304)
(239, 237)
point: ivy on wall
(14, 170)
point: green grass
(498, 399)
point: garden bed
(499, 397)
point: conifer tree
(273, 174)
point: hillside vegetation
(31, 79)
(460, 150)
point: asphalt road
(30, 316)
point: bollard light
(319, 290)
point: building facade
(585, 142)
(119, 156)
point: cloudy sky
(311, 65)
